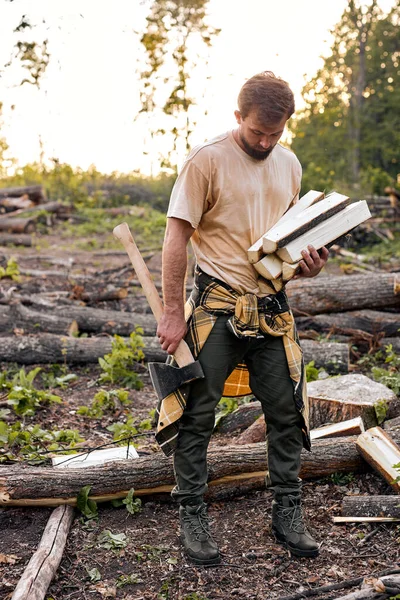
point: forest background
(346, 131)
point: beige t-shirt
(231, 200)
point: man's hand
(312, 262)
(170, 331)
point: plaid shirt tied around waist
(251, 317)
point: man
(230, 191)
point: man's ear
(238, 117)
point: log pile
(20, 210)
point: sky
(84, 112)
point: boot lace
(292, 516)
(199, 523)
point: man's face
(258, 139)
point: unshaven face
(258, 139)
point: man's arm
(172, 325)
(312, 262)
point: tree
(174, 42)
(348, 132)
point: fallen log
(36, 193)
(59, 208)
(46, 348)
(15, 239)
(382, 453)
(44, 563)
(339, 293)
(89, 320)
(13, 204)
(371, 506)
(17, 225)
(376, 589)
(21, 485)
(370, 321)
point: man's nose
(265, 143)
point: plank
(381, 452)
(326, 232)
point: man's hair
(269, 95)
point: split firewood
(369, 321)
(255, 252)
(257, 431)
(371, 506)
(22, 485)
(382, 453)
(44, 563)
(17, 225)
(282, 233)
(46, 348)
(326, 232)
(377, 520)
(35, 193)
(289, 270)
(269, 267)
(345, 397)
(384, 588)
(335, 293)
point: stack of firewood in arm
(314, 220)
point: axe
(165, 377)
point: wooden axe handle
(182, 354)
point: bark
(338, 293)
(52, 207)
(369, 321)
(371, 506)
(88, 320)
(15, 239)
(44, 563)
(48, 349)
(17, 225)
(35, 192)
(21, 485)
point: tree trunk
(44, 563)
(371, 506)
(370, 321)
(21, 485)
(17, 225)
(52, 207)
(89, 320)
(15, 239)
(338, 293)
(47, 348)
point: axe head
(166, 378)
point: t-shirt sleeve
(190, 194)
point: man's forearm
(174, 273)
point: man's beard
(257, 154)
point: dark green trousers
(271, 385)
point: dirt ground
(151, 565)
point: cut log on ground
(371, 506)
(382, 453)
(39, 486)
(35, 192)
(15, 239)
(17, 225)
(391, 425)
(48, 349)
(338, 293)
(369, 321)
(44, 563)
(89, 320)
(241, 418)
(58, 208)
(376, 589)
(341, 398)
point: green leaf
(86, 505)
